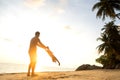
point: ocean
(12, 68)
(19, 68)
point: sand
(67, 75)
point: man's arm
(40, 44)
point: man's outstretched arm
(40, 44)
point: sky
(69, 27)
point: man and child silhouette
(35, 41)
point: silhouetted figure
(35, 41)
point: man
(35, 41)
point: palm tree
(111, 30)
(106, 46)
(113, 33)
(110, 46)
(110, 37)
(107, 8)
(108, 57)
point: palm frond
(96, 6)
(101, 48)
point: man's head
(37, 33)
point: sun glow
(21, 28)
(71, 44)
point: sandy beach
(67, 75)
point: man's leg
(33, 68)
(29, 67)
(31, 64)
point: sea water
(12, 68)
(18, 68)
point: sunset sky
(68, 27)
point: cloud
(59, 10)
(61, 6)
(35, 3)
(72, 29)
(63, 2)
(67, 27)
(5, 39)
